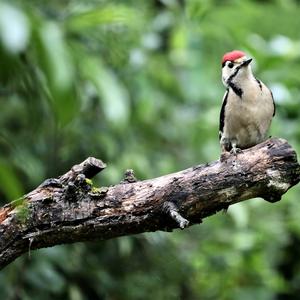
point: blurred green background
(137, 84)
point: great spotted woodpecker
(248, 105)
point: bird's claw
(236, 151)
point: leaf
(14, 28)
(110, 14)
(75, 293)
(113, 95)
(55, 61)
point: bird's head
(235, 67)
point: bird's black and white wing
(274, 111)
(222, 114)
(274, 107)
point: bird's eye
(230, 65)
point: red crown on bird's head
(232, 56)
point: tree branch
(69, 209)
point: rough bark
(69, 209)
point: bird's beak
(246, 62)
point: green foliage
(137, 84)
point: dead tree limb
(70, 209)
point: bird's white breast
(247, 118)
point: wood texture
(69, 209)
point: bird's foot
(235, 150)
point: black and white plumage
(248, 105)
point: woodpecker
(248, 105)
